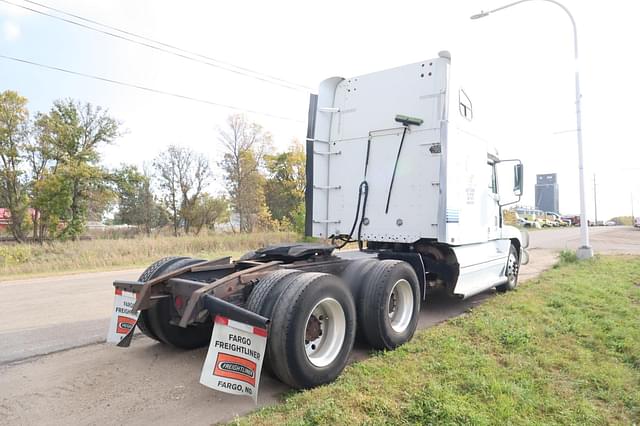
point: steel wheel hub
(325, 332)
(400, 305)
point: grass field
(59, 257)
(562, 349)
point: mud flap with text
(123, 320)
(234, 359)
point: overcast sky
(518, 62)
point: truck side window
(465, 106)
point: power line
(161, 46)
(148, 89)
(208, 60)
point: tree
(285, 185)
(245, 144)
(74, 132)
(14, 131)
(208, 211)
(51, 203)
(136, 203)
(183, 174)
(167, 173)
(153, 214)
(39, 157)
(194, 173)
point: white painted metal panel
(321, 163)
(482, 266)
(366, 107)
(471, 206)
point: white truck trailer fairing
(407, 133)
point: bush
(567, 257)
(14, 254)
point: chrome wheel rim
(325, 332)
(400, 305)
(512, 269)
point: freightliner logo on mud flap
(125, 324)
(234, 367)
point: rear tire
(355, 276)
(158, 319)
(256, 301)
(389, 304)
(355, 273)
(312, 330)
(265, 295)
(156, 269)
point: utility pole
(595, 201)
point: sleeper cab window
(464, 105)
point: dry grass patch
(72, 256)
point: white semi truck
(397, 180)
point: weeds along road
(97, 383)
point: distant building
(5, 218)
(547, 197)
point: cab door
(492, 200)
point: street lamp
(584, 251)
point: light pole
(595, 201)
(584, 251)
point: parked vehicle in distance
(551, 221)
(574, 219)
(510, 217)
(527, 223)
(557, 218)
(636, 222)
(534, 218)
(546, 220)
(611, 223)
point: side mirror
(509, 174)
(518, 177)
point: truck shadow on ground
(438, 307)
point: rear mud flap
(123, 320)
(234, 360)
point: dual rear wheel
(314, 316)
(387, 296)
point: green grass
(562, 349)
(18, 260)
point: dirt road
(96, 383)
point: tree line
(53, 181)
